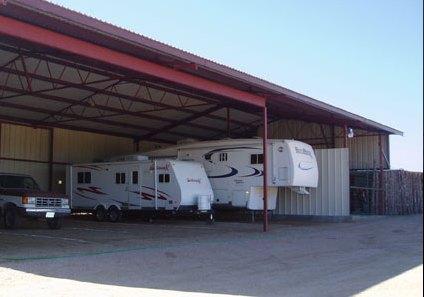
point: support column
(228, 122)
(381, 201)
(1, 127)
(265, 175)
(51, 158)
(136, 145)
(345, 136)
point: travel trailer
(135, 183)
(235, 168)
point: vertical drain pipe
(265, 168)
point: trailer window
(256, 159)
(120, 178)
(80, 177)
(18, 182)
(87, 177)
(84, 177)
(223, 157)
(164, 178)
(135, 177)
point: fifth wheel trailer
(135, 183)
(235, 168)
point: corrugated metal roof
(78, 25)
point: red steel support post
(265, 175)
(381, 201)
(228, 122)
(1, 127)
(51, 158)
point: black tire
(114, 214)
(11, 217)
(55, 223)
(100, 213)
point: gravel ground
(375, 256)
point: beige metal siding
(26, 144)
(78, 147)
(21, 142)
(74, 146)
(364, 150)
(330, 198)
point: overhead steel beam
(135, 80)
(180, 122)
(114, 110)
(38, 124)
(44, 37)
(87, 87)
(83, 118)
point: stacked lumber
(401, 192)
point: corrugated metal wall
(363, 147)
(25, 143)
(30, 150)
(74, 146)
(330, 198)
(79, 147)
(364, 151)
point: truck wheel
(55, 223)
(114, 214)
(100, 213)
(11, 217)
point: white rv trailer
(235, 168)
(136, 183)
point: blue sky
(363, 56)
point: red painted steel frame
(381, 202)
(265, 176)
(44, 37)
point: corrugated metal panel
(331, 197)
(73, 146)
(39, 171)
(364, 150)
(23, 142)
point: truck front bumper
(45, 212)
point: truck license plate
(49, 215)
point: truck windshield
(18, 182)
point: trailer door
(134, 187)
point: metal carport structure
(59, 68)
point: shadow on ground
(339, 259)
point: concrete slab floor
(376, 257)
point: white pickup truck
(20, 196)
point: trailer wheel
(210, 219)
(10, 217)
(114, 214)
(55, 223)
(100, 213)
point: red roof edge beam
(38, 35)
